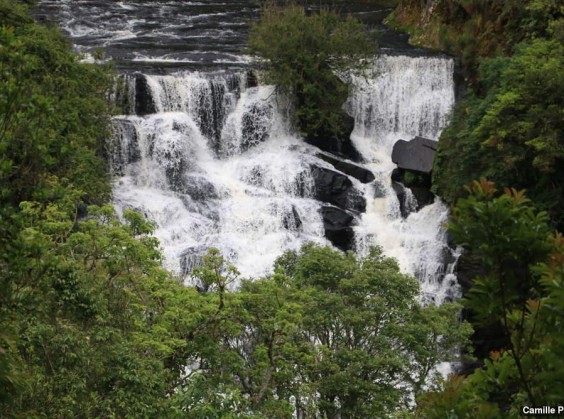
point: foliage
(329, 334)
(305, 56)
(474, 29)
(514, 135)
(53, 114)
(90, 307)
(522, 290)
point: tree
(513, 135)
(521, 289)
(308, 57)
(329, 334)
(54, 114)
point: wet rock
(256, 126)
(337, 189)
(397, 175)
(198, 188)
(212, 111)
(123, 147)
(251, 79)
(423, 196)
(144, 104)
(340, 145)
(291, 220)
(190, 258)
(399, 189)
(379, 190)
(338, 225)
(360, 173)
(417, 155)
(418, 183)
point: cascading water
(408, 97)
(212, 161)
(216, 167)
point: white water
(238, 189)
(218, 166)
(410, 96)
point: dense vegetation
(303, 56)
(521, 290)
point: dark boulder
(338, 226)
(417, 155)
(397, 175)
(144, 104)
(338, 144)
(418, 183)
(360, 173)
(337, 189)
(423, 196)
(197, 187)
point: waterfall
(407, 97)
(216, 166)
(213, 162)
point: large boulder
(338, 225)
(416, 155)
(340, 145)
(351, 169)
(337, 189)
(144, 103)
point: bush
(303, 54)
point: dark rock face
(338, 225)
(198, 188)
(418, 183)
(256, 126)
(423, 196)
(251, 79)
(212, 112)
(144, 104)
(292, 220)
(337, 189)
(360, 173)
(340, 145)
(191, 257)
(399, 189)
(417, 155)
(123, 147)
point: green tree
(54, 114)
(329, 334)
(514, 135)
(521, 289)
(310, 57)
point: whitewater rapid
(216, 164)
